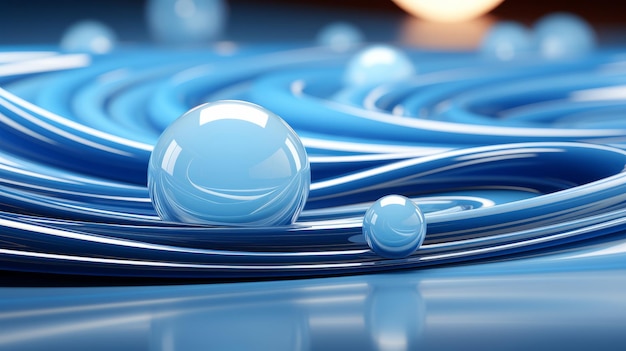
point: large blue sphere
(378, 64)
(563, 35)
(506, 40)
(186, 22)
(394, 226)
(229, 163)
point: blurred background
(41, 21)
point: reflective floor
(542, 303)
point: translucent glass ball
(506, 41)
(229, 163)
(186, 22)
(378, 64)
(394, 226)
(563, 35)
(89, 36)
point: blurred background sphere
(186, 22)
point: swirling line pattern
(503, 158)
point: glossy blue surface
(518, 167)
(378, 64)
(394, 226)
(489, 187)
(542, 303)
(89, 36)
(186, 22)
(231, 163)
(563, 36)
(507, 40)
(340, 36)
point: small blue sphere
(229, 163)
(89, 36)
(186, 22)
(563, 35)
(378, 64)
(394, 226)
(506, 41)
(340, 36)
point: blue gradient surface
(517, 166)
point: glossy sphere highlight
(563, 35)
(377, 65)
(506, 41)
(186, 22)
(229, 163)
(88, 36)
(394, 227)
